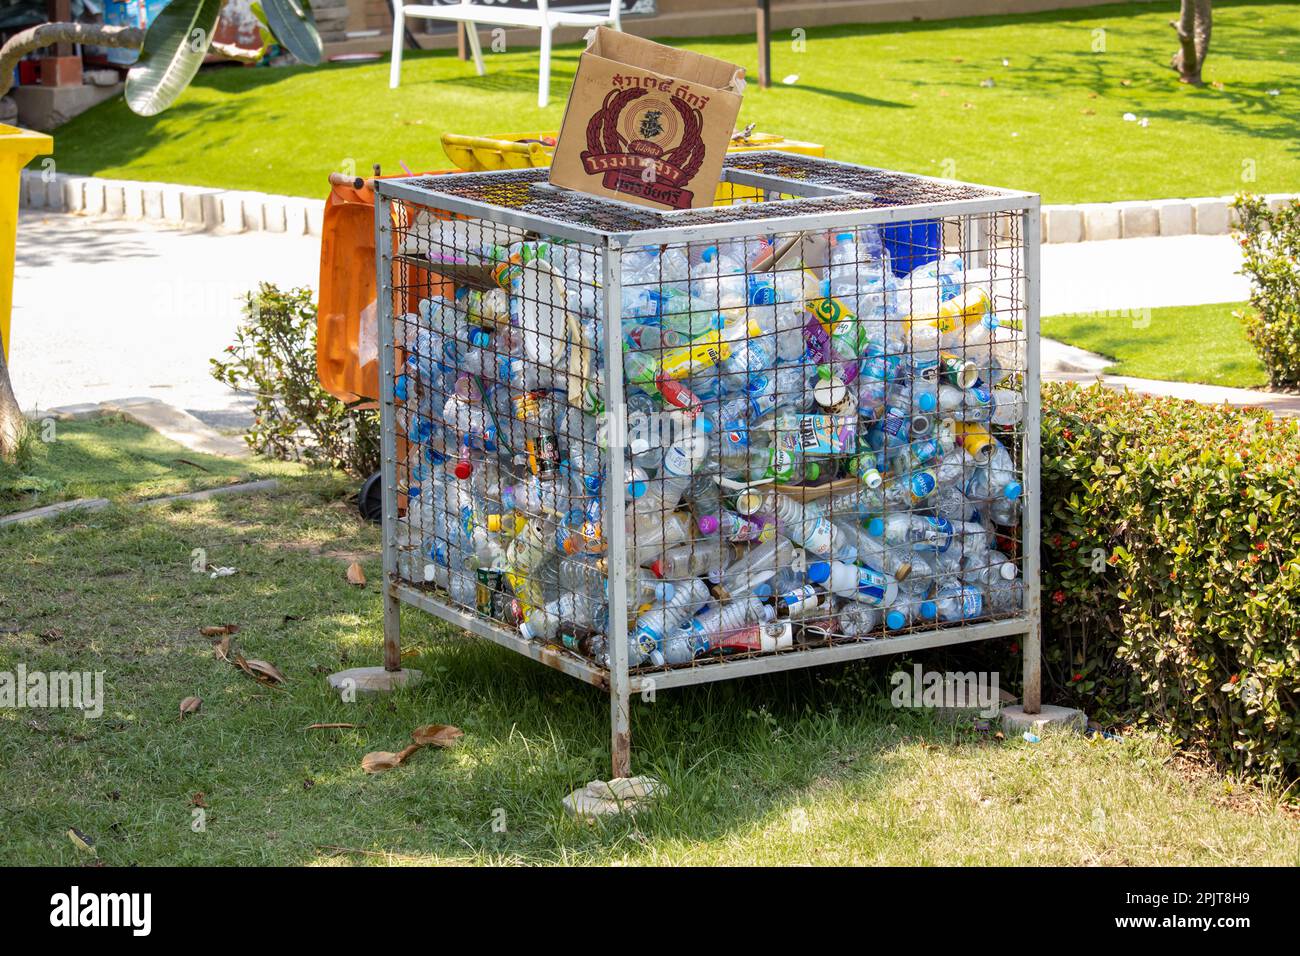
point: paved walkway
(1141, 273)
(106, 310)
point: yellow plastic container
(525, 150)
(17, 148)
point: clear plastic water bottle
(645, 643)
(959, 602)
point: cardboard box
(646, 123)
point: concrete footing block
(372, 680)
(1138, 220)
(1177, 218)
(31, 191)
(1211, 216)
(74, 194)
(151, 201)
(231, 215)
(1065, 224)
(1016, 721)
(1100, 221)
(315, 211)
(273, 217)
(133, 199)
(54, 200)
(173, 206)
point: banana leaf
(294, 27)
(174, 47)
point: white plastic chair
(471, 14)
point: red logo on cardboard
(627, 144)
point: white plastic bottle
(853, 581)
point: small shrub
(273, 358)
(1270, 243)
(1171, 579)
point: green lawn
(116, 459)
(908, 96)
(799, 768)
(1184, 343)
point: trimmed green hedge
(1171, 581)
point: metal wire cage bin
(651, 449)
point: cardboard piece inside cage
(647, 123)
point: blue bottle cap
(479, 337)
(664, 591)
(399, 388)
(927, 402)
(819, 571)
(876, 527)
(636, 489)
(895, 620)
(705, 424)
(763, 591)
(1013, 490)
(709, 254)
(928, 610)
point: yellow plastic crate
(526, 150)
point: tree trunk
(11, 416)
(1193, 28)
(52, 34)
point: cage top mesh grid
(807, 184)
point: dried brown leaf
(355, 575)
(380, 760)
(221, 649)
(437, 735)
(216, 630)
(190, 705)
(199, 800)
(264, 671)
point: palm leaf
(292, 23)
(174, 47)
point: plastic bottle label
(818, 535)
(829, 312)
(936, 535)
(689, 360)
(872, 585)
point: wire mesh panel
(796, 422)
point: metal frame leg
(620, 733)
(388, 439)
(1030, 516)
